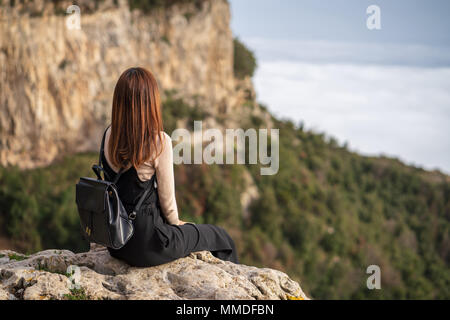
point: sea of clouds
(381, 99)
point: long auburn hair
(136, 119)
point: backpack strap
(133, 214)
(102, 147)
(98, 168)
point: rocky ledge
(97, 275)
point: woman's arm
(166, 181)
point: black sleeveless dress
(154, 241)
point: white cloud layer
(378, 109)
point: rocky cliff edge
(44, 275)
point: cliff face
(198, 276)
(56, 84)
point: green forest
(325, 216)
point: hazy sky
(383, 91)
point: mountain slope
(324, 217)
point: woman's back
(137, 142)
(163, 166)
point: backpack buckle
(132, 215)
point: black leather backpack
(103, 217)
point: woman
(136, 142)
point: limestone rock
(56, 83)
(44, 275)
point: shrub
(149, 5)
(244, 60)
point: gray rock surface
(97, 275)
